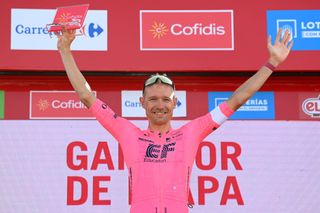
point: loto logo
(57, 105)
(288, 24)
(304, 26)
(311, 107)
(186, 30)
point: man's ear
(142, 102)
(175, 101)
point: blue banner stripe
(259, 106)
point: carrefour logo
(304, 26)
(31, 33)
(30, 30)
(93, 30)
(131, 106)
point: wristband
(270, 66)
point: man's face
(159, 102)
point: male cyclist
(159, 159)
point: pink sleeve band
(225, 109)
(95, 105)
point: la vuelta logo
(311, 107)
(186, 30)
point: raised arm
(278, 52)
(76, 78)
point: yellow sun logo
(158, 30)
(43, 104)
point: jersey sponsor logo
(153, 151)
(1, 104)
(167, 148)
(31, 33)
(311, 107)
(57, 105)
(304, 26)
(259, 106)
(145, 140)
(186, 30)
(105, 106)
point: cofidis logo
(304, 26)
(186, 30)
(259, 106)
(57, 105)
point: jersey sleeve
(204, 125)
(197, 130)
(121, 129)
(220, 114)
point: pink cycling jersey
(159, 164)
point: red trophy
(70, 17)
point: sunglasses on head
(153, 79)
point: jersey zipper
(162, 138)
(161, 176)
(130, 184)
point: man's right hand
(65, 39)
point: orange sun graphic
(158, 30)
(64, 18)
(43, 104)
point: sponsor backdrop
(43, 104)
(131, 106)
(75, 166)
(173, 31)
(297, 106)
(57, 105)
(259, 106)
(310, 105)
(304, 26)
(31, 33)
(172, 36)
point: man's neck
(159, 128)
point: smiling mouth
(159, 113)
